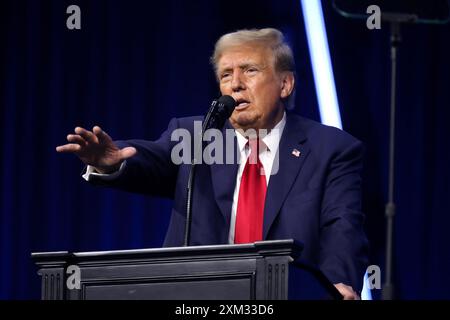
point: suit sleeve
(151, 171)
(343, 244)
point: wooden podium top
(260, 248)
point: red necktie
(252, 195)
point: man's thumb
(127, 152)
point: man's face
(247, 73)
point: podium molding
(256, 271)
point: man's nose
(237, 83)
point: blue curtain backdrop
(136, 64)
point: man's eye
(224, 75)
(251, 70)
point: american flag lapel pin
(296, 153)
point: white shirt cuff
(90, 171)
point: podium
(256, 271)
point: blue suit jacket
(314, 198)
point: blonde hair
(267, 37)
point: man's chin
(244, 120)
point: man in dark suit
(295, 179)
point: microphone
(219, 111)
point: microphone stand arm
(190, 185)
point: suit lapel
(224, 178)
(291, 156)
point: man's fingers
(127, 152)
(86, 135)
(101, 135)
(347, 292)
(75, 138)
(70, 147)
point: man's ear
(287, 84)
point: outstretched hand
(96, 148)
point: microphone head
(220, 110)
(228, 104)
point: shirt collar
(271, 140)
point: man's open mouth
(242, 104)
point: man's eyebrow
(242, 66)
(228, 68)
(248, 64)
